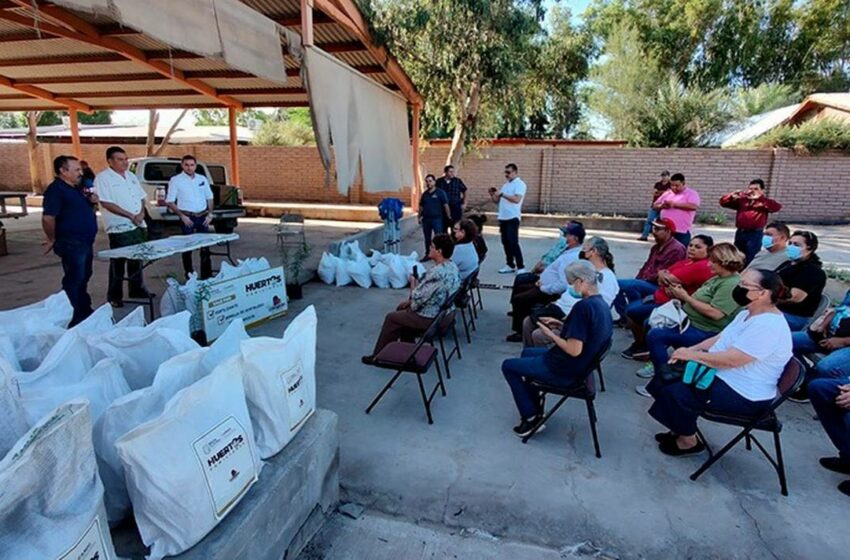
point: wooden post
(234, 145)
(307, 23)
(416, 188)
(75, 134)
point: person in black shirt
(433, 205)
(804, 280)
(456, 192)
(577, 345)
(70, 225)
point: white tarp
(250, 41)
(187, 25)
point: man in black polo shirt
(433, 205)
(456, 192)
(69, 222)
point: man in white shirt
(509, 199)
(190, 197)
(122, 202)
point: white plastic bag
(375, 257)
(51, 499)
(144, 405)
(135, 318)
(280, 382)
(55, 310)
(341, 275)
(381, 275)
(360, 271)
(7, 351)
(188, 468)
(68, 362)
(34, 329)
(13, 423)
(398, 272)
(327, 268)
(172, 300)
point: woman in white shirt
(465, 256)
(748, 356)
(596, 251)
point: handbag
(668, 316)
(699, 375)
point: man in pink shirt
(679, 204)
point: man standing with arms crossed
(752, 209)
(191, 198)
(123, 202)
(509, 199)
(456, 191)
(70, 225)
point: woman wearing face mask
(465, 255)
(709, 310)
(804, 279)
(748, 357)
(576, 346)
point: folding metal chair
(445, 327)
(790, 380)
(416, 358)
(584, 388)
(464, 302)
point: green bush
(811, 136)
(716, 219)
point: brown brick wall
(561, 179)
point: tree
(153, 120)
(286, 127)
(218, 117)
(764, 98)
(96, 117)
(12, 120)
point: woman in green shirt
(709, 310)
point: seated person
(804, 280)
(664, 253)
(773, 243)
(464, 255)
(710, 309)
(831, 400)
(690, 274)
(480, 244)
(749, 356)
(830, 335)
(550, 285)
(596, 251)
(576, 348)
(427, 295)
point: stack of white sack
(383, 270)
(28, 333)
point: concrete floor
(468, 471)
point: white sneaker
(641, 390)
(507, 270)
(647, 371)
(521, 271)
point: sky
(576, 7)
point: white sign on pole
(254, 297)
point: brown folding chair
(464, 301)
(415, 358)
(790, 380)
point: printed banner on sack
(254, 297)
(227, 463)
(296, 395)
(90, 546)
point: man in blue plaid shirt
(456, 191)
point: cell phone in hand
(416, 273)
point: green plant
(838, 273)
(292, 258)
(715, 219)
(811, 136)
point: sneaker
(647, 371)
(633, 351)
(521, 270)
(801, 395)
(507, 270)
(641, 390)
(642, 238)
(835, 464)
(515, 337)
(527, 426)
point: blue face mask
(767, 241)
(572, 291)
(793, 252)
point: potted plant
(293, 257)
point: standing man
(433, 205)
(122, 200)
(456, 191)
(191, 198)
(659, 189)
(752, 209)
(679, 204)
(510, 198)
(70, 225)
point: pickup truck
(154, 174)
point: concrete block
(296, 490)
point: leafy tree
(218, 117)
(12, 120)
(286, 127)
(764, 98)
(97, 117)
(810, 136)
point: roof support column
(234, 147)
(307, 23)
(416, 188)
(75, 134)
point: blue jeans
(678, 406)
(651, 216)
(632, 290)
(795, 322)
(659, 340)
(683, 237)
(531, 365)
(835, 421)
(76, 258)
(430, 227)
(639, 312)
(198, 226)
(749, 242)
(834, 364)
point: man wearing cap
(752, 210)
(666, 251)
(679, 204)
(191, 198)
(551, 284)
(660, 188)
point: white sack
(341, 275)
(375, 257)
(172, 300)
(34, 329)
(188, 468)
(327, 268)
(398, 271)
(360, 271)
(280, 382)
(144, 405)
(13, 423)
(55, 310)
(135, 318)
(51, 499)
(68, 362)
(381, 275)
(7, 351)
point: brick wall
(560, 178)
